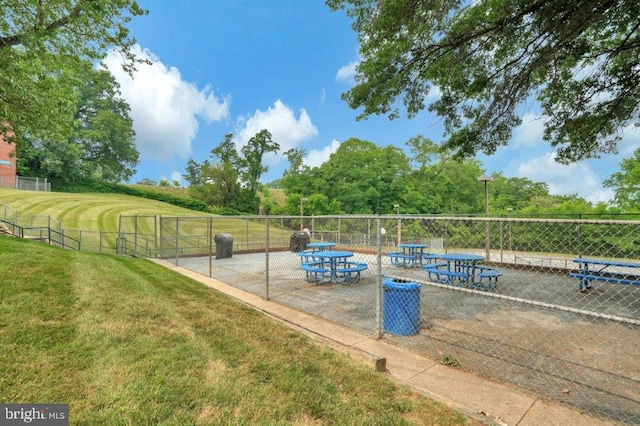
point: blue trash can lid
(393, 284)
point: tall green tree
(362, 177)
(254, 151)
(226, 152)
(626, 183)
(41, 44)
(217, 181)
(194, 173)
(220, 187)
(101, 144)
(232, 179)
(515, 193)
(252, 168)
(294, 179)
(570, 205)
(104, 130)
(490, 58)
(440, 184)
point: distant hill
(171, 190)
(276, 196)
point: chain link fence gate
(533, 328)
(137, 236)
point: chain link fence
(32, 184)
(528, 323)
(48, 229)
(532, 320)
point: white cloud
(630, 141)
(529, 133)
(280, 120)
(175, 176)
(434, 93)
(576, 178)
(164, 107)
(347, 72)
(316, 157)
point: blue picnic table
(611, 271)
(462, 269)
(412, 255)
(333, 266)
(307, 255)
(321, 245)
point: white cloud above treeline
(316, 157)
(575, 178)
(164, 107)
(280, 120)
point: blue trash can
(401, 307)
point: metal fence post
(177, 232)
(160, 254)
(266, 260)
(135, 235)
(210, 242)
(501, 241)
(155, 236)
(379, 278)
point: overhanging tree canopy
(488, 58)
(101, 145)
(626, 183)
(40, 42)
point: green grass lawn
(87, 210)
(102, 212)
(125, 341)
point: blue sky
(223, 66)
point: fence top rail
(35, 228)
(451, 218)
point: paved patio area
(535, 329)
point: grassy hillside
(125, 341)
(275, 195)
(171, 190)
(86, 210)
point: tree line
(364, 178)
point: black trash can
(224, 246)
(401, 307)
(299, 241)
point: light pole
(302, 200)
(486, 179)
(399, 227)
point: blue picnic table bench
(411, 256)
(611, 271)
(333, 267)
(463, 270)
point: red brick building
(7, 165)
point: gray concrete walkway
(475, 397)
